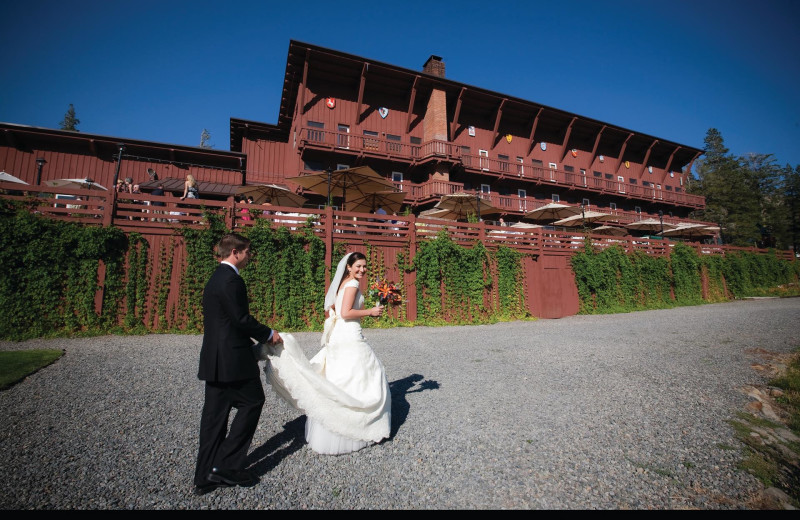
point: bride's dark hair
(355, 257)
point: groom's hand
(276, 338)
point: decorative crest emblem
(509, 137)
(602, 158)
(627, 164)
(383, 111)
(330, 102)
(650, 169)
(543, 146)
(574, 152)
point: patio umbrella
(7, 177)
(85, 184)
(581, 219)
(615, 231)
(649, 224)
(459, 205)
(525, 225)
(390, 201)
(552, 211)
(689, 231)
(357, 181)
(278, 195)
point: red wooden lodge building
(428, 135)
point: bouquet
(385, 292)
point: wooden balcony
(138, 213)
(321, 139)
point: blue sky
(164, 70)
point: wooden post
(329, 225)
(410, 279)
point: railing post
(411, 277)
(231, 210)
(329, 225)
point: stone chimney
(435, 121)
(434, 66)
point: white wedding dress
(343, 389)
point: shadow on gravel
(267, 456)
(402, 387)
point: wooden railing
(139, 212)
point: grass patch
(789, 382)
(18, 364)
(763, 468)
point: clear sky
(165, 70)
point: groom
(230, 369)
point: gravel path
(586, 412)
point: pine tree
(70, 122)
(205, 136)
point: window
(597, 173)
(677, 190)
(552, 166)
(397, 176)
(609, 176)
(415, 140)
(342, 139)
(314, 166)
(612, 206)
(555, 197)
(484, 159)
(645, 183)
(504, 166)
(520, 167)
(585, 203)
(669, 188)
(393, 144)
(342, 166)
(315, 132)
(370, 140)
(485, 188)
(633, 181)
(569, 169)
(537, 162)
(637, 209)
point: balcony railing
(138, 212)
(491, 166)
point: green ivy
(613, 281)
(50, 274)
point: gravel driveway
(585, 412)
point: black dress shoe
(209, 487)
(232, 477)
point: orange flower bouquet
(385, 292)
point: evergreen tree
(70, 122)
(205, 136)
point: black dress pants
(218, 447)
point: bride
(343, 389)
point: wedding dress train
(343, 389)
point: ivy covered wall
(52, 270)
(614, 281)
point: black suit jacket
(227, 353)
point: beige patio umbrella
(459, 205)
(689, 231)
(7, 177)
(615, 231)
(525, 225)
(649, 224)
(86, 184)
(390, 201)
(278, 195)
(356, 182)
(552, 211)
(584, 218)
